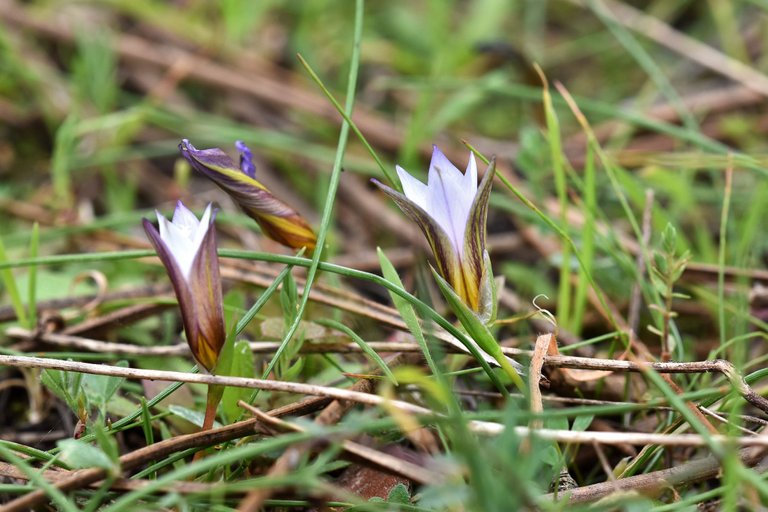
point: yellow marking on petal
(292, 231)
(235, 174)
(470, 288)
(205, 354)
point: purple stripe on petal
(200, 158)
(180, 286)
(205, 292)
(446, 255)
(199, 295)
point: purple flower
(187, 248)
(451, 210)
(277, 220)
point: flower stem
(215, 393)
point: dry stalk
(657, 481)
(578, 363)
(480, 427)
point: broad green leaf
(194, 417)
(81, 455)
(99, 389)
(65, 385)
(582, 423)
(242, 366)
(399, 494)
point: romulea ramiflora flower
(277, 220)
(451, 209)
(187, 248)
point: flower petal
(199, 294)
(470, 175)
(413, 189)
(184, 218)
(246, 159)
(179, 282)
(472, 261)
(178, 242)
(278, 220)
(449, 197)
(446, 256)
(205, 292)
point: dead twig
(655, 482)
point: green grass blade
(480, 334)
(34, 249)
(332, 186)
(56, 496)
(558, 169)
(263, 298)
(406, 309)
(362, 344)
(587, 240)
(13, 291)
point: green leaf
(107, 444)
(480, 333)
(13, 291)
(409, 317)
(582, 423)
(556, 423)
(226, 356)
(251, 313)
(81, 455)
(669, 239)
(290, 372)
(34, 246)
(399, 494)
(146, 423)
(194, 417)
(99, 389)
(65, 385)
(289, 299)
(242, 366)
(405, 308)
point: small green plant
(668, 267)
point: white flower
(451, 210)
(183, 235)
(448, 195)
(187, 248)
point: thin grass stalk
(332, 186)
(587, 241)
(722, 254)
(558, 170)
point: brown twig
(579, 363)
(8, 314)
(653, 483)
(716, 366)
